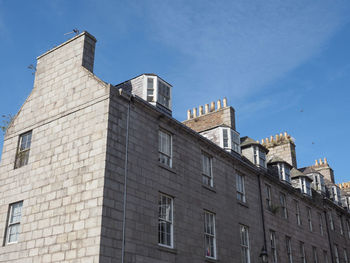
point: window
(165, 148)
(325, 256)
(297, 212)
(207, 170)
(240, 188)
(314, 254)
(150, 89)
(346, 259)
(331, 222)
(273, 246)
(230, 140)
(336, 194)
(14, 222)
(348, 228)
(259, 157)
(347, 202)
(336, 254)
(302, 252)
(245, 249)
(283, 172)
(305, 186)
(23, 149)
(165, 220)
(289, 249)
(163, 94)
(284, 205)
(318, 182)
(320, 222)
(268, 196)
(341, 225)
(209, 234)
(309, 218)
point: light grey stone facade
(91, 141)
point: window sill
(242, 203)
(170, 169)
(211, 260)
(212, 189)
(167, 249)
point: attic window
(259, 157)
(336, 194)
(158, 91)
(283, 172)
(318, 182)
(305, 186)
(230, 140)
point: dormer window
(336, 194)
(283, 172)
(318, 182)
(158, 91)
(230, 140)
(305, 186)
(346, 202)
(259, 157)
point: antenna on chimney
(75, 31)
(33, 68)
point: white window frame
(245, 246)
(320, 222)
(259, 156)
(305, 186)
(325, 256)
(314, 254)
(14, 224)
(165, 157)
(289, 249)
(240, 187)
(336, 254)
(284, 172)
(207, 176)
(283, 202)
(273, 245)
(209, 235)
(341, 226)
(165, 218)
(297, 212)
(230, 143)
(302, 252)
(331, 221)
(309, 218)
(268, 196)
(346, 258)
(156, 91)
(336, 194)
(23, 149)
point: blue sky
(283, 65)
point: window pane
(165, 220)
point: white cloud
(239, 47)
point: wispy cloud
(238, 47)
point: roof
(147, 74)
(247, 141)
(308, 170)
(295, 173)
(276, 159)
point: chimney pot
(200, 110)
(325, 160)
(188, 114)
(262, 141)
(320, 161)
(285, 134)
(219, 104)
(316, 163)
(194, 112)
(206, 108)
(224, 102)
(212, 106)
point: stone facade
(91, 187)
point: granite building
(95, 172)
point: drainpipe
(264, 248)
(329, 237)
(125, 170)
